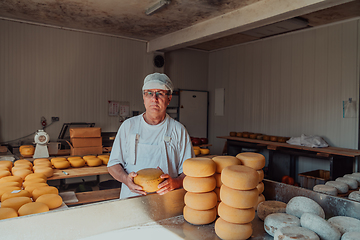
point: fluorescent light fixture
(156, 7)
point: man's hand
(170, 183)
(132, 186)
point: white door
(193, 112)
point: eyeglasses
(150, 94)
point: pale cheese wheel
(22, 173)
(345, 224)
(11, 179)
(251, 159)
(232, 231)
(261, 175)
(355, 196)
(218, 179)
(199, 167)
(8, 189)
(225, 161)
(320, 226)
(10, 184)
(350, 236)
(199, 217)
(6, 213)
(32, 208)
(278, 220)
(32, 181)
(15, 193)
(239, 198)
(299, 205)
(236, 215)
(149, 179)
(260, 187)
(298, 233)
(325, 189)
(77, 162)
(353, 184)
(201, 201)
(51, 200)
(261, 198)
(356, 175)
(35, 176)
(4, 173)
(94, 162)
(40, 160)
(217, 191)
(44, 190)
(31, 187)
(240, 177)
(15, 203)
(340, 186)
(352, 177)
(266, 208)
(47, 171)
(43, 164)
(199, 184)
(61, 164)
(6, 164)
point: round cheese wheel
(225, 161)
(239, 198)
(201, 201)
(23, 162)
(7, 164)
(42, 164)
(149, 179)
(26, 149)
(22, 173)
(15, 203)
(299, 205)
(8, 189)
(345, 224)
(260, 187)
(61, 164)
(199, 217)
(320, 226)
(240, 177)
(77, 162)
(104, 159)
(217, 191)
(226, 230)
(47, 171)
(51, 200)
(325, 189)
(218, 179)
(10, 184)
(33, 208)
(352, 177)
(88, 157)
(340, 186)
(261, 198)
(355, 196)
(204, 151)
(235, 215)
(37, 192)
(199, 184)
(35, 176)
(11, 179)
(94, 162)
(74, 158)
(251, 159)
(356, 175)
(31, 187)
(40, 160)
(350, 236)
(32, 181)
(353, 184)
(266, 208)
(197, 152)
(199, 167)
(4, 173)
(261, 175)
(291, 232)
(14, 193)
(7, 213)
(278, 220)
(20, 168)
(57, 159)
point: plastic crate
(310, 179)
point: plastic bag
(308, 141)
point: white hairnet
(158, 81)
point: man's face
(156, 100)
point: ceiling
(201, 24)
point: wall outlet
(54, 119)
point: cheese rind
(199, 184)
(199, 217)
(79, 162)
(299, 233)
(15, 203)
(51, 200)
(240, 177)
(232, 231)
(218, 179)
(235, 215)
(61, 164)
(199, 167)
(32, 181)
(325, 189)
(340, 186)
(37, 192)
(350, 236)
(239, 198)
(299, 205)
(275, 221)
(201, 201)
(31, 187)
(15, 193)
(225, 161)
(320, 226)
(345, 224)
(251, 159)
(32, 208)
(266, 208)
(94, 162)
(35, 175)
(47, 171)
(149, 179)
(6, 213)
(11, 179)
(353, 184)
(260, 187)
(355, 196)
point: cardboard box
(84, 150)
(86, 142)
(85, 132)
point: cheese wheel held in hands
(149, 179)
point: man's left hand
(170, 183)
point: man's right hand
(132, 186)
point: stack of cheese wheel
(92, 161)
(22, 168)
(238, 195)
(222, 162)
(257, 162)
(44, 166)
(200, 199)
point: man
(150, 140)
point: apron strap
(170, 125)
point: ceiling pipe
(157, 6)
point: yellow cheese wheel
(43, 190)
(261, 198)
(25, 146)
(260, 187)
(27, 151)
(79, 162)
(218, 179)
(197, 152)
(196, 147)
(22, 173)
(23, 162)
(73, 158)
(199, 184)
(61, 164)
(88, 157)
(40, 160)
(32, 181)
(6, 164)
(217, 191)
(35, 176)
(204, 151)
(236, 215)
(11, 179)
(15, 203)
(226, 230)
(57, 159)
(8, 189)
(251, 159)
(104, 159)
(51, 200)
(199, 167)
(239, 198)
(201, 201)
(4, 173)
(20, 167)
(240, 177)
(149, 179)
(94, 162)
(33, 208)
(6, 213)
(42, 164)
(224, 161)
(14, 193)
(31, 187)
(10, 184)
(261, 175)
(199, 217)
(47, 171)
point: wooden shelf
(96, 196)
(79, 172)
